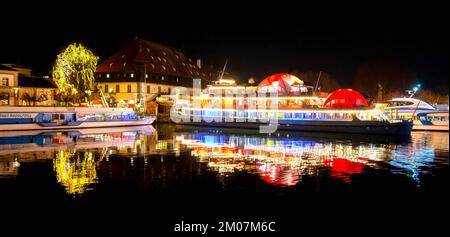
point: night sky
(257, 41)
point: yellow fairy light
(74, 69)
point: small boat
(41, 118)
(423, 115)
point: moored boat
(423, 115)
(343, 111)
(39, 118)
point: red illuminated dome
(282, 83)
(345, 98)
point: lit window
(123, 55)
(99, 75)
(183, 64)
(159, 59)
(5, 81)
(177, 79)
(176, 56)
(125, 63)
(153, 58)
(163, 67)
(110, 65)
(153, 65)
(162, 78)
(132, 75)
(165, 60)
(148, 50)
(164, 53)
(107, 75)
(173, 68)
(146, 75)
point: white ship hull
(35, 126)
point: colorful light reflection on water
(166, 157)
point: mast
(223, 70)
(317, 82)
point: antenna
(223, 70)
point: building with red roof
(143, 69)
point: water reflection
(171, 156)
(75, 153)
(76, 171)
(278, 160)
(285, 158)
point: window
(117, 88)
(170, 90)
(146, 75)
(148, 89)
(163, 67)
(106, 88)
(99, 75)
(162, 78)
(107, 75)
(129, 89)
(132, 75)
(159, 89)
(5, 81)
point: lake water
(169, 158)
(146, 179)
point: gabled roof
(38, 82)
(159, 59)
(6, 68)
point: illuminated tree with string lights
(73, 72)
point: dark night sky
(258, 42)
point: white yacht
(423, 115)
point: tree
(74, 70)
(393, 78)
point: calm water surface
(180, 159)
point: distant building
(142, 70)
(19, 87)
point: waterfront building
(143, 70)
(19, 87)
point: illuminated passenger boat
(38, 118)
(343, 111)
(423, 115)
